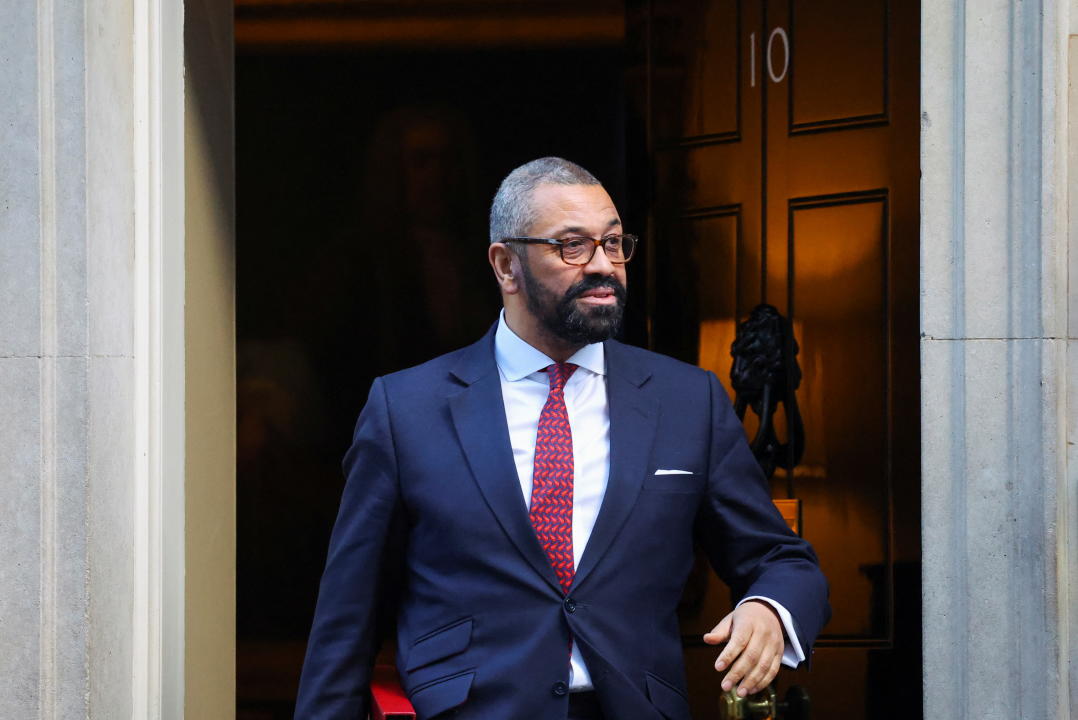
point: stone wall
(67, 364)
(117, 558)
(995, 333)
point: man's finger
(760, 675)
(771, 673)
(721, 632)
(743, 662)
(739, 639)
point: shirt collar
(517, 359)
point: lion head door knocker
(765, 373)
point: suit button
(560, 689)
(570, 605)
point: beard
(565, 319)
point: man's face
(577, 303)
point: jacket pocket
(693, 483)
(440, 644)
(434, 698)
(666, 698)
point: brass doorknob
(765, 705)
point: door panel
(837, 299)
(841, 45)
(697, 73)
(782, 147)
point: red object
(388, 700)
(552, 480)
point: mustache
(596, 282)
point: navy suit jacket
(432, 500)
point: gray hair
(512, 212)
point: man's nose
(600, 263)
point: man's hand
(754, 645)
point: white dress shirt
(524, 391)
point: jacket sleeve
(335, 684)
(746, 539)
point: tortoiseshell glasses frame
(580, 249)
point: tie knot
(559, 373)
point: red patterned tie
(551, 509)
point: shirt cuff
(792, 654)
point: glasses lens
(619, 248)
(577, 250)
(615, 247)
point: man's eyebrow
(577, 230)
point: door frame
(185, 550)
(183, 607)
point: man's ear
(506, 267)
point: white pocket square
(673, 472)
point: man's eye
(575, 248)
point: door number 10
(776, 77)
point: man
(536, 497)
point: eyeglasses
(579, 250)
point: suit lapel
(634, 417)
(479, 417)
